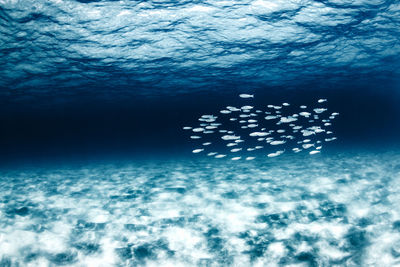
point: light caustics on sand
(300, 212)
(247, 129)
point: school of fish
(245, 130)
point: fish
(258, 147)
(208, 132)
(314, 152)
(247, 107)
(231, 144)
(219, 156)
(303, 107)
(236, 149)
(230, 137)
(287, 119)
(225, 111)
(277, 142)
(230, 108)
(296, 150)
(270, 117)
(236, 158)
(319, 110)
(233, 119)
(211, 127)
(285, 104)
(187, 128)
(280, 131)
(197, 130)
(322, 100)
(212, 153)
(252, 125)
(195, 137)
(330, 139)
(250, 158)
(307, 146)
(275, 154)
(206, 144)
(252, 121)
(198, 150)
(305, 114)
(246, 96)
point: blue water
(96, 169)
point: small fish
(322, 100)
(285, 104)
(250, 158)
(212, 153)
(230, 137)
(198, 150)
(233, 119)
(307, 146)
(231, 144)
(211, 127)
(305, 114)
(259, 134)
(280, 131)
(244, 116)
(250, 149)
(187, 128)
(258, 147)
(277, 142)
(306, 140)
(206, 144)
(219, 156)
(208, 132)
(327, 124)
(195, 137)
(252, 125)
(303, 107)
(319, 110)
(247, 107)
(197, 130)
(239, 141)
(223, 131)
(225, 111)
(270, 117)
(287, 119)
(277, 153)
(335, 114)
(252, 121)
(296, 150)
(236, 158)
(330, 139)
(314, 152)
(246, 96)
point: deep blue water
(97, 170)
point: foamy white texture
(206, 212)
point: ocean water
(187, 133)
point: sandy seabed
(300, 210)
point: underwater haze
(199, 133)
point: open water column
(199, 133)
